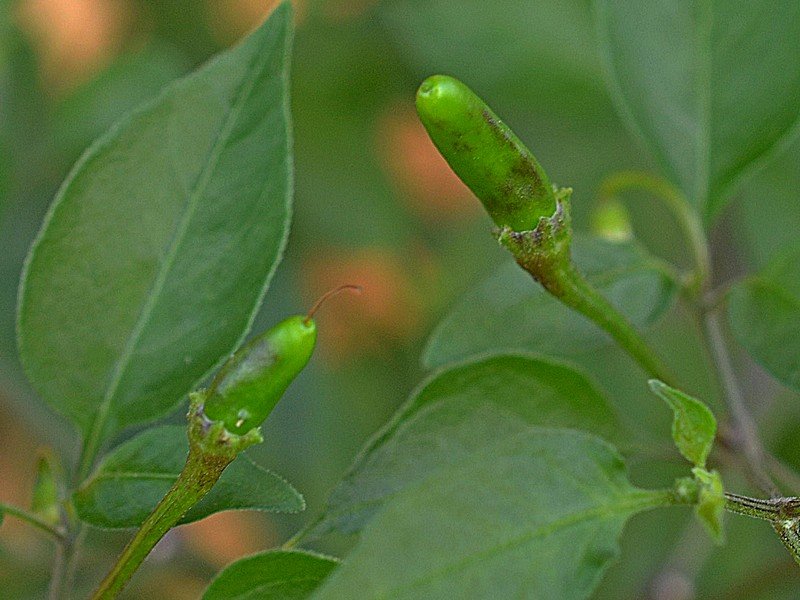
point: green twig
(34, 520)
(211, 449)
(782, 513)
(545, 254)
(747, 439)
(580, 295)
(195, 481)
(769, 510)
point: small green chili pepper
(249, 385)
(485, 154)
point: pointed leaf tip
(693, 426)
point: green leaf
(532, 514)
(767, 215)
(452, 414)
(160, 244)
(764, 313)
(273, 575)
(46, 502)
(705, 83)
(510, 311)
(130, 481)
(710, 507)
(693, 424)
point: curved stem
(199, 475)
(32, 519)
(690, 225)
(746, 431)
(579, 294)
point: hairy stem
(757, 508)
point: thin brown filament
(356, 289)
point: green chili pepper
(249, 385)
(485, 154)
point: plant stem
(782, 513)
(579, 294)
(757, 508)
(199, 475)
(32, 519)
(56, 589)
(66, 563)
(676, 202)
(545, 254)
(211, 449)
(746, 433)
(64, 569)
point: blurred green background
(374, 205)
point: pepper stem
(356, 289)
(211, 449)
(545, 254)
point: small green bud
(611, 221)
(485, 154)
(45, 502)
(249, 385)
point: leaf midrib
(102, 413)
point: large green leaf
(130, 481)
(456, 412)
(160, 244)
(510, 311)
(273, 575)
(764, 313)
(706, 84)
(533, 514)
